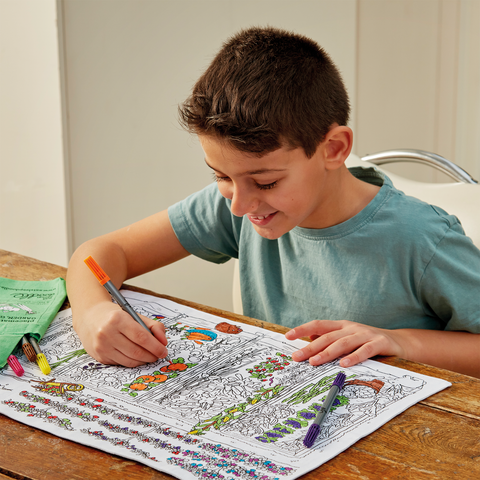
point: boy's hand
(334, 338)
(112, 336)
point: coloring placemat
(231, 405)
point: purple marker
(314, 429)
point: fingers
(326, 347)
(118, 340)
(157, 328)
(359, 345)
(334, 339)
(314, 329)
(140, 345)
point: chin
(268, 234)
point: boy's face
(277, 192)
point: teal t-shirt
(399, 263)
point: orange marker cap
(102, 277)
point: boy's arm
(108, 333)
(455, 351)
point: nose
(244, 200)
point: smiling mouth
(261, 219)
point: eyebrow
(251, 172)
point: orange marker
(104, 280)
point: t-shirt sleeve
(450, 286)
(205, 226)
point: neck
(348, 197)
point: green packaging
(27, 307)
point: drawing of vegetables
(67, 358)
(302, 419)
(269, 366)
(310, 391)
(146, 378)
(177, 365)
(147, 382)
(56, 388)
(138, 386)
(200, 335)
(220, 420)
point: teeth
(259, 217)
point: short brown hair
(265, 89)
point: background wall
(418, 82)
(33, 211)
(89, 138)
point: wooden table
(438, 438)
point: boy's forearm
(83, 288)
(126, 253)
(455, 351)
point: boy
(393, 275)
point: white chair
(461, 198)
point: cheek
(225, 189)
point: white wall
(467, 107)
(418, 82)
(32, 184)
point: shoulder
(423, 218)
(408, 213)
(404, 214)
(202, 202)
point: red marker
(15, 364)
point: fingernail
(298, 356)
(345, 362)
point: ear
(337, 146)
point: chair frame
(421, 156)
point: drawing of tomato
(180, 367)
(160, 378)
(146, 378)
(138, 386)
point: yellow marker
(41, 359)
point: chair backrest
(459, 199)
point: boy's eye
(267, 186)
(260, 186)
(217, 178)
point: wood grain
(438, 438)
